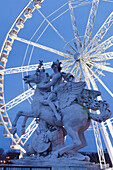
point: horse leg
(79, 141)
(82, 136)
(23, 125)
(75, 138)
(20, 113)
(83, 144)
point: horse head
(30, 79)
(39, 77)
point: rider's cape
(67, 92)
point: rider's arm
(67, 76)
(51, 83)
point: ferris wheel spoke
(19, 99)
(24, 68)
(100, 72)
(29, 68)
(37, 29)
(52, 20)
(68, 64)
(56, 31)
(57, 10)
(109, 123)
(103, 67)
(101, 82)
(102, 57)
(108, 0)
(86, 75)
(79, 76)
(80, 3)
(73, 21)
(46, 26)
(90, 24)
(102, 31)
(44, 47)
(74, 67)
(75, 72)
(66, 69)
(91, 79)
(102, 47)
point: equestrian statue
(61, 107)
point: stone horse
(75, 115)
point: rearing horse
(75, 117)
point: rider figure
(57, 79)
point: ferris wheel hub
(77, 56)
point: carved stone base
(56, 164)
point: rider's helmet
(57, 63)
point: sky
(13, 85)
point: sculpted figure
(40, 141)
(46, 140)
(57, 79)
(73, 104)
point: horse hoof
(13, 130)
(87, 158)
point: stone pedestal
(54, 164)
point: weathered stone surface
(57, 164)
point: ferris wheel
(71, 32)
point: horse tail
(102, 117)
